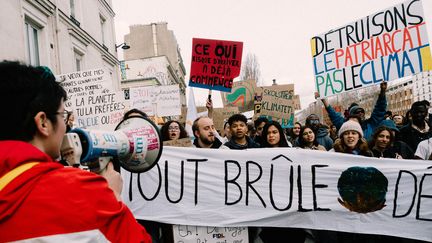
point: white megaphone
(136, 143)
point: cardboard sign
(276, 109)
(387, 45)
(284, 187)
(182, 142)
(242, 95)
(220, 114)
(215, 63)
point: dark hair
(302, 142)
(25, 91)
(378, 130)
(237, 117)
(282, 140)
(134, 110)
(425, 102)
(291, 133)
(260, 120)
(417, 104)
(165, 132)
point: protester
(398, 120)
(226, 132)
(424, 150)
(418, 129)
(173, 130)
(293, 133)
(70, 119)
(350, 140)
(41, 199)
(273, 136)
(204, 132)
(397, 147)
(134, 112)
(382, 143)
(307, 140)
(239, 138)
(321, 132)
(259, 124)
(333, 132)
(368, 125)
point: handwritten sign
(92, 100)
(194, 234)
(387, 45)
(157, 100)
(215, 63)
(285, 187)
(242, 95)
(276, 102)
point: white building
(65, 35)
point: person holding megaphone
(41, 200)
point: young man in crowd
(418, 129)
(41, 200)
(368, 125)
(204, 132)
(239, 131)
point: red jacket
(59, 204)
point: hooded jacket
(250, 144)
(52, 203)
(368, 125)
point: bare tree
(251, 68)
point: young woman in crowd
(385, 145)
(173, 130)
(307, 140)
(273, 136)
(351, 140)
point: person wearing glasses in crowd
(368, 125)
(42, 200)
(173, 130)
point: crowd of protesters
(34, 133)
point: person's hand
(383, 87)
(115, 181)
(209, 105)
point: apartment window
(72, 7)
(32, 44)
(78, 61)
(103, 28)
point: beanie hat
(350, 126)
(353, 109)
(389, 124)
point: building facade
(65, 35)
(153, 59)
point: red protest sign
(215, 63)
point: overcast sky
(278, 32)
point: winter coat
(52, 203)
(368, 125)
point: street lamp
(123, 45)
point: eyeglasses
(314, 121)
(64, 113)
(173, 128)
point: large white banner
(285, 187)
